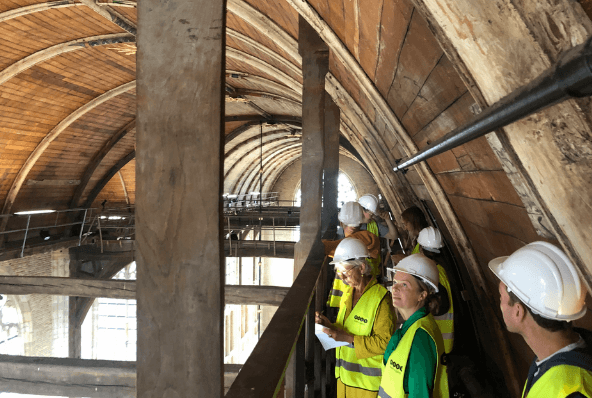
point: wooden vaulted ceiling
(67, 101)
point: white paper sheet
(326, 341)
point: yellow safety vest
(336, 293)
(393, 372)
(372, 227)
(353, 372)
(415, 249)
(561, 375)
(446, 321)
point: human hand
(339, 335)
(322, 319)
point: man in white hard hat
(541, 294)
(371, 211)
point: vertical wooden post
(179, 178)
(315, 65)
(331, 162)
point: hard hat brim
(495, 266)
(395, 269)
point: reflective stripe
(336, 292)
(449, 316)
(382, 393)
(448, 336)
(356, 367)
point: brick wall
(43, 327)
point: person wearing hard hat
(541, 294)
(430, 242)
(369, 205)
(413, 221)
(412, 359)
(351, 216)
(364, 320)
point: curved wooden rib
(252, 169)
(62, 48)
(239, 130)
(265, 25)
(51, 5)
(22, 11)
(107, 177)
(52, 135)
(110, 14)
(271, 85)
(96, 161)
(264, 67)
(289, 153)
(272, 54)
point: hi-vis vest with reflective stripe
(372, 227)
(561, 375)
(393, 373)
(339, 287)
(354, 372)
(446, 321)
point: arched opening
(346, 191)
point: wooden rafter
(107, 177)
(33, 8)
(264, 67)
(112, 15)
(62, 48)
(97, 159)
(272, 86)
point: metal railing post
(82, 227)
(25, 240)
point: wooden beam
(270, 85)
(126, 290)
(53, 183)
(97, 159)
(67, 377)
(77, 377)
(112, 15)
(265, 68)
(265, 25)
(107, 177)
(127, 200)
(62, 48)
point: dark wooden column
(331, 162)
(315, 65)
(179, 177)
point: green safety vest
(339, 287)
(393, 373)
(372, 227)
(446, 321)
(561, 375)
(415, 249)
(354, 372)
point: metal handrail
(570, 77)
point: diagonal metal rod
(570, 77)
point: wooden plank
(394, 25)
(53, 182)
(419, 55)
(488, 185)
(76, 377)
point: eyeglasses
(346, 272)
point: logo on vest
(359, 318)
(396, 365)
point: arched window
(345, 191)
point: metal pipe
(570, 77)
(82, 228)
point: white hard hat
(422, 267)
(430, 239)
(351, 214)
(369, 202)
(349, 249)
(544, 279)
